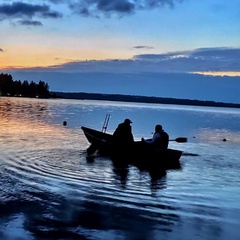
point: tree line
(143, 99)
(9, 87)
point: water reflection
(30, 109)
(100, 213)
(122, 169)
(217, 135)
(159, 182)
(50, 190)
(90, 219)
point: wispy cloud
(143, 47)
(30, 23)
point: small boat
(138, 153)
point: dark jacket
(163, 141)
(160, 140)
(123, 134)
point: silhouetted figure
(64, 123)
(159, 140)
(123, 133)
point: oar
(179, 139)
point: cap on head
(127, 121)
(158, 127)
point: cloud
(197, 60)
(25, 10)
(217, 53)
(111, 7)
(143, 47)
(202, 59)
(96, 8)
(30, 23)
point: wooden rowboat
(137, 153)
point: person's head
(158, 128)
(127, 121)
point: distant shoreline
(140, 99)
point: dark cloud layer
(25, 11)
(202, 59)
(217, 53)
(119, 7)
(97, 8)
(84, 7)
(198, 60)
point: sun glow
(53, 58)
(220, 73)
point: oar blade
(181, 139)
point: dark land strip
(141, 99)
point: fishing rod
(105, 124)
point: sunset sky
(181, 36)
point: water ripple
(50, 190)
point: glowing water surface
(49, 189)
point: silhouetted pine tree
(8, 87)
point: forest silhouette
(9, 87)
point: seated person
(160, 139)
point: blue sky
(120, 36)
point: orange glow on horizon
(219, 73)
(21, 58)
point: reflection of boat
(138, 153)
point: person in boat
(159, 140)
(123, 133)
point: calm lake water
(49, 190)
